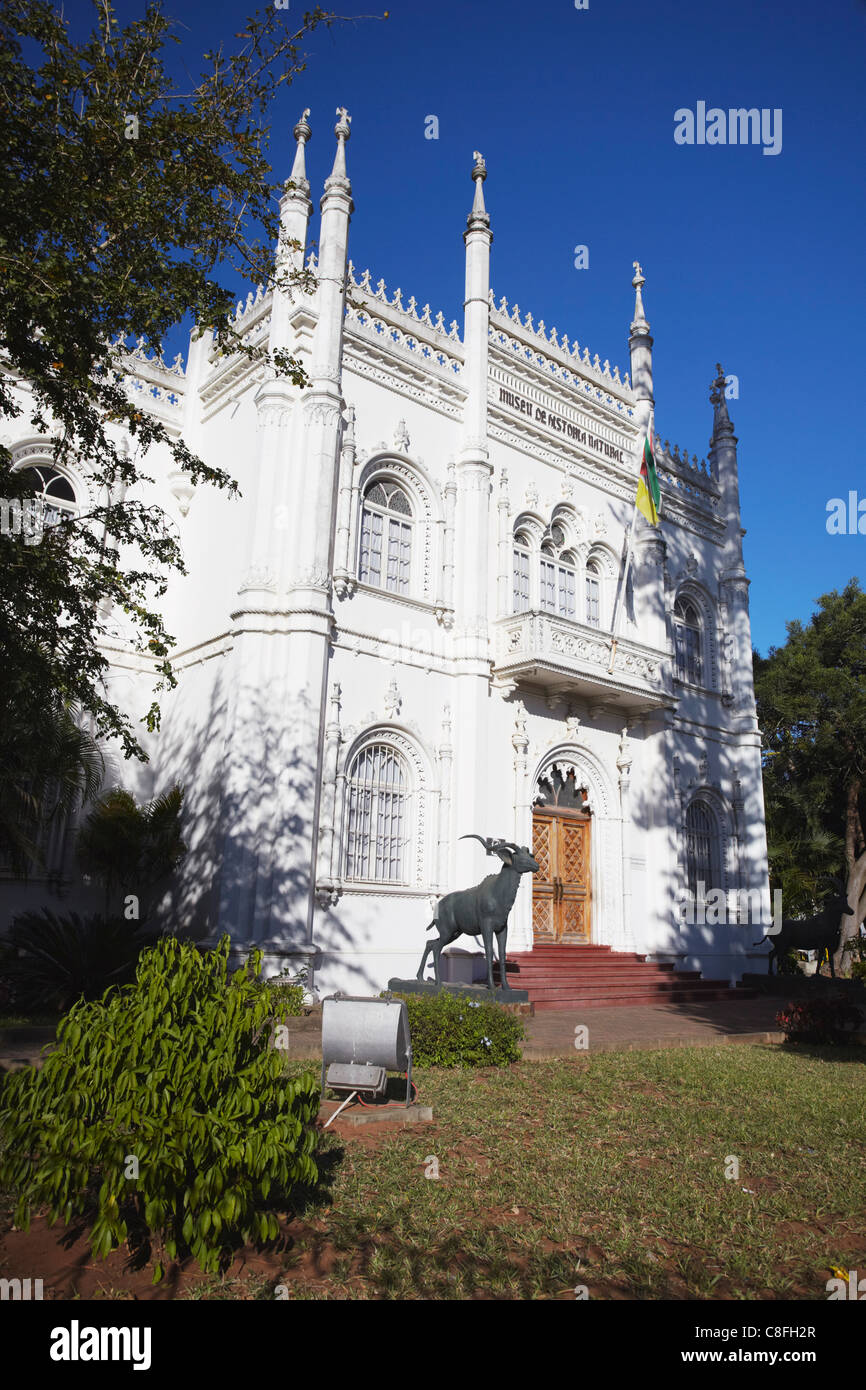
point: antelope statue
(482, 910)
(819, 933)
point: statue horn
(481, 840)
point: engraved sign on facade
(541, 415)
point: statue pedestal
(478, 993)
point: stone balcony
(567, 659)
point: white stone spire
(302, 133)
(295, 210)
(342, 130)
(723, 467)
(472, 520)
(641, 350)
(479, 213)
(734, 584)
(722, 424)
(639, 322)
(476, 304)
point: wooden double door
(561, 889)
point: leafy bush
(819, 1021)
(286, 993)
(858, 970)
(450, 1030)
(788, 964)
(53, 961)
(8, 988)
(132, 848)
(177, 1072)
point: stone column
(623, 763)
(503, 606)
(521, 917)
(344, 571)
(471, 646)
(446, 754)
(327, 871)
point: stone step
(601, 970)
(594, 976)
(592, 987)
(620, 1000)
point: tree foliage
(54, 960)
(48, 766)
(178, 1073)
(132, 848)
(107, 240)
(811, 697)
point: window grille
(688, 641)
(378, 820)
(701, 856)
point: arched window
(688, 640)
(593, 594)
(378, 816)
(558, 576)
(55, 489)
(702, 860)
(386, 538)
(520, 573)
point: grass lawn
(606, 1171)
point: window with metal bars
(386, 538)
(688, 641)
(378, 816)
(701, 850)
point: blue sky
(753, 260)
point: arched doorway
(561, 890)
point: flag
(649, 496)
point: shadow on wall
(247, 820)
(715, 787)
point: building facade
(403, 633)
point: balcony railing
(565, 657)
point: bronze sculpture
(819, 933)
(482, 910)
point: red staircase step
(593, 976)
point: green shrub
(178, 1071)
(132, 848)
(450, 1030)
(788, 964)
(285, 994)
(858, 970)
(819, 1021)
(50, 961)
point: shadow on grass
(826, 1052)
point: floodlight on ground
(362, 1040)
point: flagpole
(620, 603)
(621, 597)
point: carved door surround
(561, 890)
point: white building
(402, 634)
